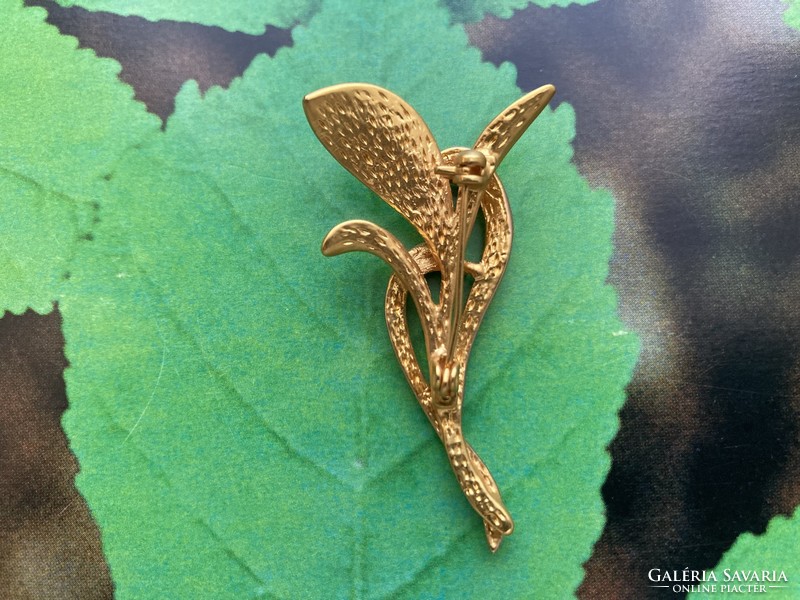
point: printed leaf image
(58, 143)
(251, 16)
(704, 263)
(792, 14)
(773, 552)
(242, 427)
(467, 11)
(235, 393)
(248, 16)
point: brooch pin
(381, 140)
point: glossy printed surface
(215, 410)
(688, 112)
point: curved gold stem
(381, 140)
(473, 477)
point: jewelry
(381, 140)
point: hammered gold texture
(385, 144)
(497, 246)
(477, 484)
(381, 140)
(504, 131)
(486, 274)
(474, 478)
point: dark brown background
(688, 112)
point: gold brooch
(381, 140)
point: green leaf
(468, 11)
(248, 16)
(64, 121)
(774, 551)
(251, 16)
(792, 14)
(241, 423)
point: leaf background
(716, 381)
(258, 378)
(250, 16)
(209, 409)
(79, 121)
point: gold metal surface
(381, 140)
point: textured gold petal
(381, 140)
(504, 131)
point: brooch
(381, 140)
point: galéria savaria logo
(727, 581)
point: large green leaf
(792, 14)
(774, 552)
(64, 121)
(249, 16)
(242, 426)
